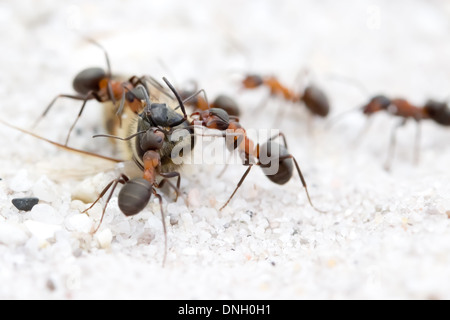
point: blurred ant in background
(312, 97)
(101, 85)
(433, 110)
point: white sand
(386, 234)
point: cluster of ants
(148, 137)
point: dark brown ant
(312, 97)
(219, 119)
(101, 85)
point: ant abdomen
(438, 111)
(88, 80)
(134, 196)
(271, 152)
(226, 103)
(316, 101)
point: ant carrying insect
(312, 97)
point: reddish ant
(219, 119)
(313, 97)
(101, 85)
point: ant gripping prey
(312, 97)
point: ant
(312, 97)
(101, 85)
(263, 156)
(433, 110)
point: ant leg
(122, 179)
(74, 97)
(89, 96)
(237, 187)
(417, 144)
(164, 224)
(392, 144)
(279, 134)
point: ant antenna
(108, 64)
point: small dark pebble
(25, 204)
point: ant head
(89, 80)
(376, 104)
(316, 101)
(252, 81)
(216, 118)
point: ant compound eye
(134, 196)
